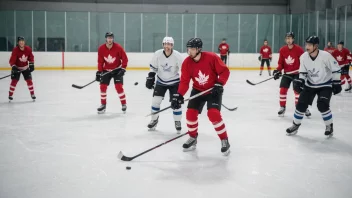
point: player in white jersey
(319, 74)
(165, 65)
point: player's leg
(348, 78)
(306, 98)
(104, 83)
(343, 76)
(118, 80)
(28, 78)
(177, 113)
(223, 58)
(268, 65)
(323, 103)
(15, 77)
(158, 96)
(214, 115)
(261, 67)
(284, 86)
(194, 107)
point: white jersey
(166, 68)
(320, 72)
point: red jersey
(329, 49)
(289, 58)
(109, 59)
(341, 56)
(204, 73)
(265, 52)
(224, 48)
(20, 58)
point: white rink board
(60, 147)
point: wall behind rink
(137, 61)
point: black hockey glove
(298, 85)
(120, 72)
(14, 69)
(336, 87)
(218, 89)
(31, 67)
(260, 58)
(177, 100)
(150, 80)
(98, 76)
(277, 74)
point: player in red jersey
(21, 61)
(206, 71)
(224, 50)
(289, 62)
(265, 57)
(111, 57)
(341, 54)
(330, 48)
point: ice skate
(33, 97)
(178, 126)
(124, 108)
(308, 114)
(190, 145)
(225, 147)
(261, 71)
(269, 72)
(152, 125)
(349, 88)
(101, 109)
(10, 98)
(282, 111)
(293, 129)
(329, 130)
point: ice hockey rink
(60, 147)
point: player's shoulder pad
(283, 48)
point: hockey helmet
(109, 34)
(168, 40)
(313, 40)
(290, 34)
(20, 38)
(341, 43)
(195, 43)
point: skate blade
(329, 136)
(291, 134)
(281, 115)
(178, 132)
(101, 112)
(226, 153)
(152, 129)
(192, 148)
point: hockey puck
(128, 168)
(136, 83)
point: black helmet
(341, 43)
(109, 34)
(20, 38)
(290, 34)
(195, 43)
(313, 40)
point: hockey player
(289, 62)
(21, 61)
(111, 57)
(341, 54)
(165, 64)
(224, 50)
(319, 75)
(330, 48)
(265, 57)
(206, 71)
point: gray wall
(302, 6)
(145, 8)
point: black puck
(128, 167)
(136, 83)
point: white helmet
(168, 40)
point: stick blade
(233, 109)
(249, 82)
(123, 158)
(76, 86)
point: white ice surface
(60, 147)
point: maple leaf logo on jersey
(166, 67)
(224, 47)
(23, 58)
(289, 60)
(339, 58)
(110, 59)
(202, 78)
(265, 50)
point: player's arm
(222, 70)
(261, 51)
(228, 49)
(336, 74)
(154, 63)
(270, 53)
(303, 72)
(124, 58)
(219, 48)
(100, 60)
(153, 70)
(185, 79)
(280, 62)
(31, 60)
(13, 58)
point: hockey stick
(122, 157)
(81, 87)
(190, 98)
(251, 83)
(230, 109)
(10, 74)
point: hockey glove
(150, 80)
(98, 76)
(298, 85)
(31, 67)
(120, 72)
(336, 87)
(218, 89)
(260, 58)
(14, 69)
(277, 74)
(177, 100)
